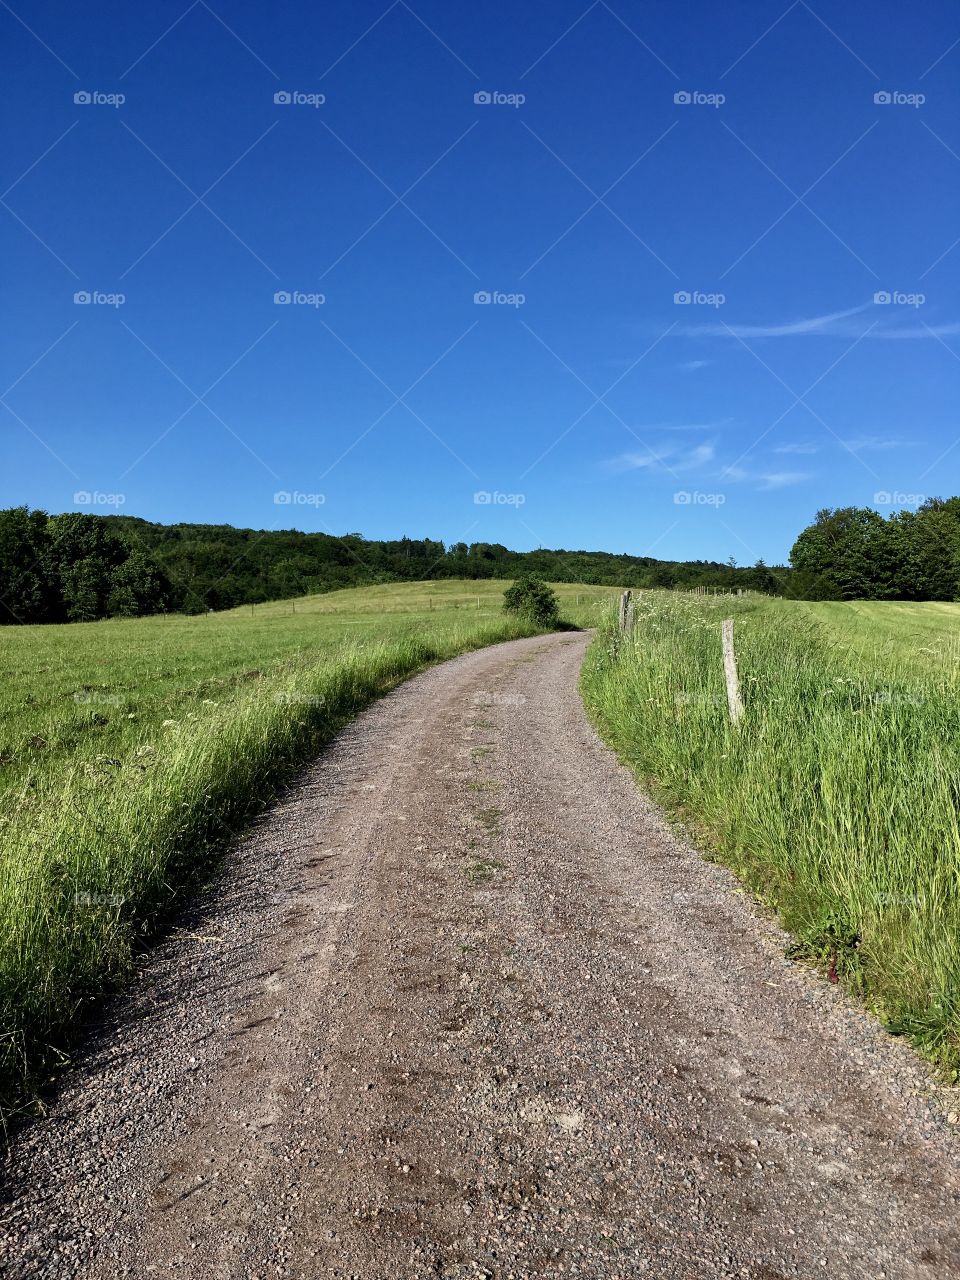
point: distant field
(838, 796)
(129, 747)
(897, 632)
(77, 693)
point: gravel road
(464, 1006)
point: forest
(77, 568)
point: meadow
(130, 749)
(836, 798)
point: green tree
(928, 540)
(84, 552)
(137, 587)
(27, 591)
(853, 549)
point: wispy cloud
(765, 480)
(861, 443)
(669, 458)
(664, 458)
(782, 479)
(835, 324)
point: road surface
(464, 1006)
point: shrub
(530, 598)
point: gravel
(463, 1005)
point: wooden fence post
(734, 701)
(622, 615)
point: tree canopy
(853, 553)
(78, 567)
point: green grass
(837, 799)
(130, 749)
(895, 634)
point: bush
(530, 598)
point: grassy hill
(219, 566)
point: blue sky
(620, 159)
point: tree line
(74, 568)
(78, 568)
(853, 553)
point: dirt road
(463, 1006)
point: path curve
(461, 1006)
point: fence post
(624, 609)
(734, 701)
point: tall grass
(94, 851)
(836, 799)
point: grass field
(892, 634)
(128, 748)
(837, 799)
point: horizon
(714, 279)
